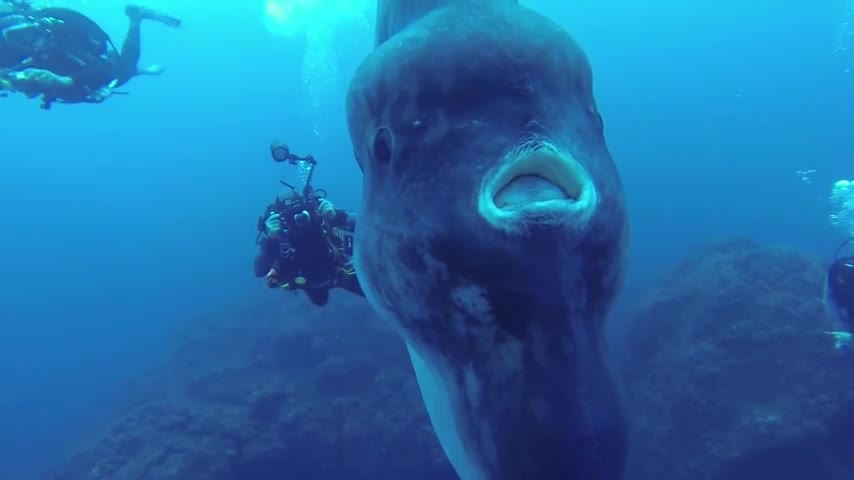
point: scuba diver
(839, 296)
(305, 243)
(62, 55)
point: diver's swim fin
(135, 12)
(152, 70)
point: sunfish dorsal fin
(395, 15)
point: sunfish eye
(382, 147)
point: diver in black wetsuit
(305, 243)
(839, 289)
(62, 55)
(839, 296)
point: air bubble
(842, 206)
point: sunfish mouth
(529, 188)
(540, 180)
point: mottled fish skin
(501, 310)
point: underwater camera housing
(300, 208)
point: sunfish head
(493, 233)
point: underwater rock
(726, 369)
(276, 388)
(729, 375)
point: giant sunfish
(493, 234)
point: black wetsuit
(305, 251)
(840, 287)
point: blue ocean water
(126, 218)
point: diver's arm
(76, 89)
(344, 219)
(269, 250)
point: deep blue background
(122, 220)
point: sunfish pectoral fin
(395, 15)
(438, 399)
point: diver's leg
(351, 284)
(132, 46)
(318, 296)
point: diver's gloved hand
(272, 278)
(103, 93)
(36, 81)
(326, 209)
(273, 224)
